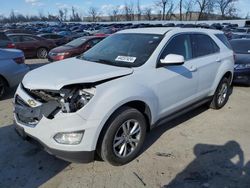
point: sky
(33, 7)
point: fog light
(71, 138)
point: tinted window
(28, 39)
(124, 50)
(77, 42)
(15, 38)
(179, 45)
(223, 39)
(241, 46)
(203, 45)
(56, 36)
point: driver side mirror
(173, 59)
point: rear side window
(179, 45)
(224, 40)
(15, 39)
(203, 45)
(28, 39)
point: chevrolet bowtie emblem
(31, 102)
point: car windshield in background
(241, 46)
(124, 50)
(76, 42)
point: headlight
(242, 66)
(72, 138)
(76, 99)
(63, 54)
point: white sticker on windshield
(126, 59)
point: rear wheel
(124, 137)
(2, 87)
(221, 95)
(42, 53)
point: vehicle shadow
(24, 165)
(10, 93)
(214, 166)
(156, 132)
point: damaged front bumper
(36, 123)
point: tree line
(133, 10)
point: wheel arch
(5, 80)
(141, 106)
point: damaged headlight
(73, 100)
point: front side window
(203, 45)
(179, 45)
(124, 50)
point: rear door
(207, 59)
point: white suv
(104, 101)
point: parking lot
(204, 148)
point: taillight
(11, 45)
(19, 60)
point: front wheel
(42, 53)
(221, 95)
(124, 137)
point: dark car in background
(241, 49)
(5, 42)
(57, 39)
(32, 45)
(73, 48)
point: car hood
(61, 49)
(242, 58)
(71, 71)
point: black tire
(42, 53)
(220, 98)
(3, 87)
(106, 147)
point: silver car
(12, 69)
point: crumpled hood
(71, 71)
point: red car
(32, 45)
(74, 48)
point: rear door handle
(193, 69)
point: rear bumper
(241, 76)
(71, 156)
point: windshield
(124, 50)
(241, 46)
(76, 42)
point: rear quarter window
(224, 40)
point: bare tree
(60, 14)
(139, 11)
(226, 7)
(188, 6)
(129, 11)
(167, 7)
(148, 13)
(180, 8)
(65, 10)
(162, 4)
(114, 14)
(93, 13)
(205, 6)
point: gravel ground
(204, 148)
